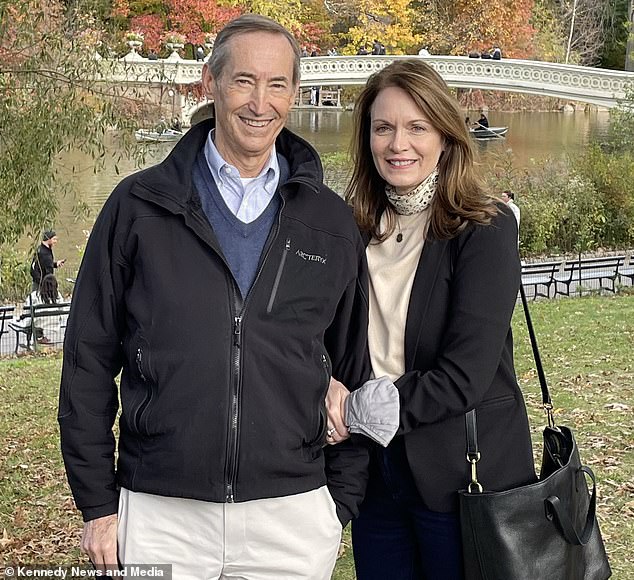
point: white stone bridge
(570, 82)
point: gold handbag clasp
(474, 486)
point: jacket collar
(169, 183)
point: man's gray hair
(242, 25)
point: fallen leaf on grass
(5, 540)
(616, 407)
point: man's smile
(256, 122)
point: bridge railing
(596, 86)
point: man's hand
(60, 263)
(99, 541)
(335, 407)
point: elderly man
(227, 284)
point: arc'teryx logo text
(310, 257)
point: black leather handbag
(547, 530)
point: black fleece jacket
(222, 399)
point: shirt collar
(222, 171)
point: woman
(444, 275)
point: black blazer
(459, 355)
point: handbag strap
(546, 400)
(555, 510)
(473, 455)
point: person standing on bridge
(444, 276)
(228, 284)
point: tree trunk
(629, 53)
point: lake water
(530, 136)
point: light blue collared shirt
(247, 198)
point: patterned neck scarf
(416, 200)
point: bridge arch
(570, 82)
(577, 83)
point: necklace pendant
(399, 237)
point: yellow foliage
(286, 12)
(391, 23)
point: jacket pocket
(322, 417)
(278, 276)
(139, 414)
(496, 402)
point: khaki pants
(287, 538)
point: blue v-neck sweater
(241, 243)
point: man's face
(50, 243)
(505, 197)
(252, 98)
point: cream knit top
(392, 266)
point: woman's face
(405, 145)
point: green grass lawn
(588, 347)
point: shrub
(561, 210)
(612, 175)
(15, 277)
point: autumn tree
(391, 23)
(314, 30)
(549, 43)
(195, 19)
(286, 12)
(461, 26)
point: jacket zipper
(236, 383)
(278, 276)
(323, 417)
(136, 421)
(324, 361)
(239, 309)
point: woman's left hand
(335, 407)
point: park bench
(568, 275)
(6, 314)
(573, 273)
(38, 313)
(539, 276)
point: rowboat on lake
(488, 132)
(146, 135)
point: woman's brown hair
(460, 197)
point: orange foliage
(196, 18)
(479, 25)
(120, 9)
(192, 18)
(153, 28)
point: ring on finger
(330, 432)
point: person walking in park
(509, 199)
(444, 275)
(227, 284)
(44, 262)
